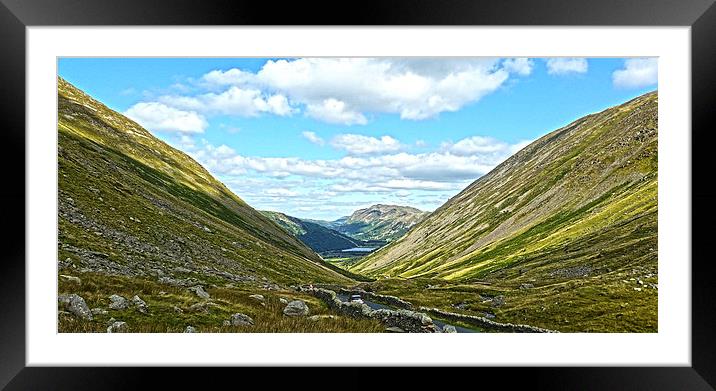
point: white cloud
(347, 90)
(232, 76)
(482, 145)
(475, 144)
(335, 112)
(389, 171)
(234, 101)
(281, 192)
(313, 138)
(356, 144)
(637, 72)
(160, 117)
(520, 66)
(563, 66)
(343, 90)
(347, 183)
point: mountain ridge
(571, 175)
(151, 206)
(379, 222)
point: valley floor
(171, 309)
(621, 302)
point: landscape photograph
(357, 195)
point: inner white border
(670, 346)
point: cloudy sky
(322, 137)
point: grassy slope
(164, 300)
(131, 205)
(574, 214)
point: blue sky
(322, 137)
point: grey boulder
(140, 304)
(117, 327)
(118, 302)
(259, 298)
(199, 290)
(449, 329)
(76, 305)
(296, 308)
(240, 319)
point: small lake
(359, 249)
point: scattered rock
(140, 304)
(206, 229)
(180, 269)
(189, 329)
(76, 305)
(460, 306)
(637, 289)
(199, 290)
(117, 327)
(239, 319)
(177, 310)
(526, 286)
(202, 307)
(259, 298)
(72, 279)
(227, 323)
(394, 329)
(99, 311)
(449, 329)
(296, 308)
(118, 302)
(283, 300)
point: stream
(437, 322)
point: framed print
(229, 189)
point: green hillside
(571, 218)
(129, 204)
(315, 236)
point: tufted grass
(162, 318)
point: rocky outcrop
(140, 304)
(117, 327)
(76, 305)
(296, 308)
(486, 323)
(259, 298)
(199, 291)
(449, 329)
(240, 319)
(118, 302)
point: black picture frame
(700, 15)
